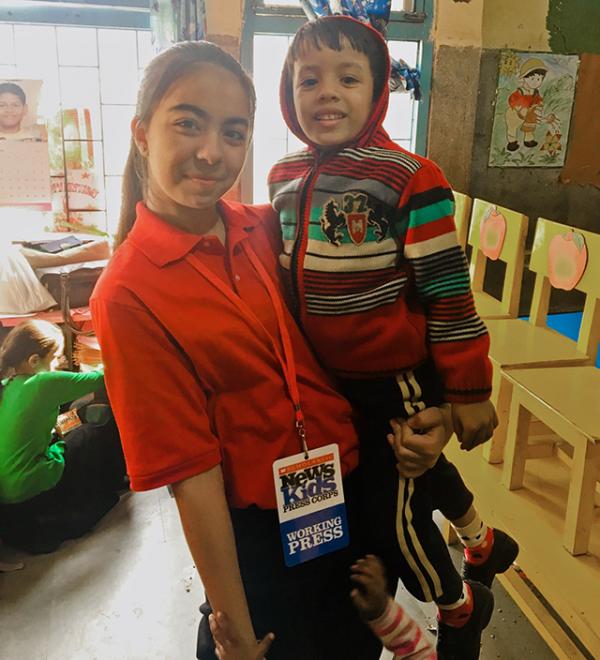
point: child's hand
(474, 423)
(228, 643)
(419, 441)
(370, 596)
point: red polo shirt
(192, 381)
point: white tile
(80, 89)
(118, 66)
(7, 44)
(77, 46)
(116, 120)
(144, 46)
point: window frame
(403, 26)
(131, 14)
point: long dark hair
(27, 339)
(160, 74)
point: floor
(129, 591)
(534, 515)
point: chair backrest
(512, 251)
(547, 234)
(462, 213)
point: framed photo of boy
(24, 158)
(534, 101)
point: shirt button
(237, 278)
(206, 244)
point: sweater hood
(380, 102)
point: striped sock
(401, 635)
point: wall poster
(24, 160)
(534, 100)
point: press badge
(310, 504)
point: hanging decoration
(376, 13)
(567, 259)
(492, 233)
(172, 21)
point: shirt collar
(163, 243)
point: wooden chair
(512, 253)
(462, 213)
(566, 400)
(518, 344)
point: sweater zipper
(299, 249)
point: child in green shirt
(65, 480)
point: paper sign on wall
(24, 160)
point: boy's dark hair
(332, 33)
(12, 88)
(539, 72)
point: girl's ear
(138, 130)
(33, 362)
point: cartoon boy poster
(534, 100)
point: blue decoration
(405, 79)
(376, 13)
(316, 8)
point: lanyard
(287, 362)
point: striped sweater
(376, 276)
(400, 634)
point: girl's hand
(370, 595)
(419, 441)
(230, 646)
(474, 423)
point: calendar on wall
(24, 174)
(24, 158)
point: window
(268, 31)
(94, 68)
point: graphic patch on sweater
(354, 215)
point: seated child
(381, 288)
(50, 489)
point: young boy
(382, 290)
(524, 112)
(13, 110)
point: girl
(49, 490)
(210, 379)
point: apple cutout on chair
(492, 232)
(567, 259)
